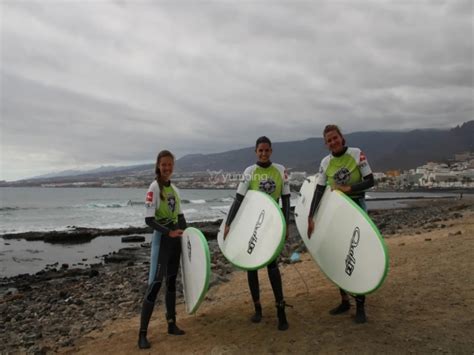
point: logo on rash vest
(350, 258)
(189, 250)
(171, 202)
(362, 160)
(342, 176)
(149, 198)
(253, 239)
(268, 186)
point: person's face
(333, 141)
(166, 167)
(264, 152)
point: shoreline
(85, 234)
(466, 190)
(418, 214)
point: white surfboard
(303, 205)
(256, 234)
(345, 244)
(195, 268)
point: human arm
(285, 202)
(165, 231)
(367, 182)
(239, 197)
(317, 196)
(232, 212)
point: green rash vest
(272, 180)
(348, 169)
(167, 210)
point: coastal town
(456, 173)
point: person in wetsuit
(345, 169)
(270, 178)
(163, 214)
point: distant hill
(100, 170)
(385, 150)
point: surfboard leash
(302, 279)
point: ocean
(47, 209)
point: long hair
(333, 127)
(162, 154)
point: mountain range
(385, 150)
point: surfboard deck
(346, 244)
(257, 233)
(195, 268)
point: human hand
(310, 227)
(176, 233)
(226, 231)
(343, 188)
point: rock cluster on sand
(53, 308)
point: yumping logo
(253, 239)
(220, 177)
(350, 258)
(189, 250)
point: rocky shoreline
(50, 310)
(82, 235)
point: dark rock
(114, 258)
(78, 302)
(133, 239)
(93, 273)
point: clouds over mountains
(95, 83)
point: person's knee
(152, 291)
(273, 265)
(171, 283)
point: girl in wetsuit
(163, 214)
(272, 179)
(345, 169)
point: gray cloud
(92, 83)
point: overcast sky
(89, 83)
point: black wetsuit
(272, 268)
(163, 216)
(350, 168)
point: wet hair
(263, 139)
(333, 127)
(162, 154)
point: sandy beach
(426, 305)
